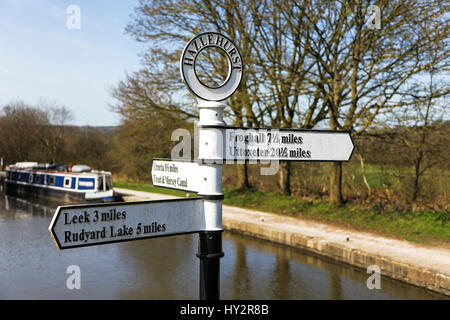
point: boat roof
(50, 168)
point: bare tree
(271, 44)
(167, 26)
(420, 131)
(20, 129)
(360, 72)
(309, 61)
(52, 135)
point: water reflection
(161, 268)
(335, 285)
(281, 276)
(240, 272)
(264, 270)
(20, 208)
(167, 268)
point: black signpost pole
(211, 102)
(209, 253)
(210, 188)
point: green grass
(375, 174)
(423, 226)
(147, 188)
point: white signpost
(285, 144)
(88, 225)
(180, 175)
(291, 145)
(84, 225)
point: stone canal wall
(414, 264)
(419, 265)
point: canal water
(166, 268)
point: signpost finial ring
(188, 63)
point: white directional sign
(285, 144)
(85, 225)
(176, 175)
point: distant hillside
(103, 129)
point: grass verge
(422, 226)
(138, 186)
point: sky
(45, 57)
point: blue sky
(41, 59)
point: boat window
(108, 182)
(67, 181)
(37, 178)
(30, 178)
(51, 180)
(100, 183)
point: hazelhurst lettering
(212, 40)
(188, 63)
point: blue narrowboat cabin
(79, 184)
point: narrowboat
(78, 184)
